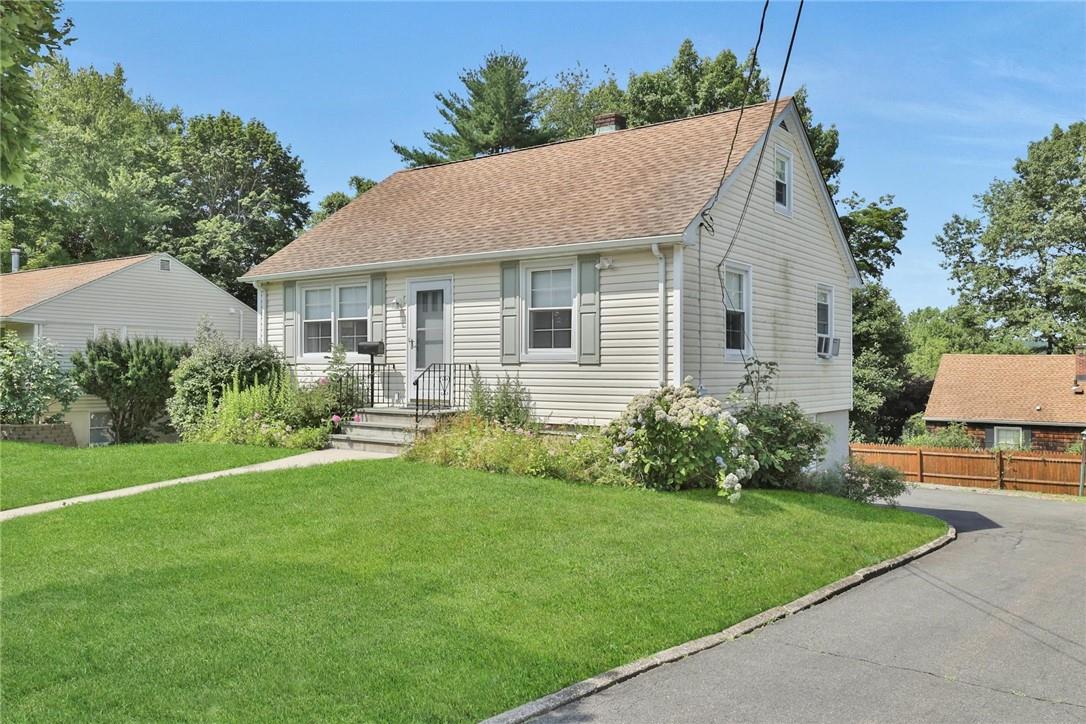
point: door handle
(411, 343)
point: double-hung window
(824, 321)
(782, 180)
(736, 311)
(334, 315)
(549, 309)
(1007, 437)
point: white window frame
(1007, 428)
(91, 427)
(121, 329)
(529, 354)
(785, 208)
(828, 354)
(333, 288)
(738, 355)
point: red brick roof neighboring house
(1008, 388)
(638, 183)
(23, 289)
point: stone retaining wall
(57, 434)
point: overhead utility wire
(753, 182)
(706, 218)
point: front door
(429, 325)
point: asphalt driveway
(989, 628)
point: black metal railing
(442, 386)
(361, 385)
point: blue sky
(933, 100)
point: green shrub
(468, 441)
(32, 381)
(132, 377)
(257, 415)
(509, 403)
(952, 435)
(784, 441)
(858, 481)
(675, 438)
(213, 365)
(309, 406)
(1075, 448)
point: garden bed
(394, 590)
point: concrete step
(401, 416)
(350, 442)
(379, 433)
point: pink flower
(357, 417)
(336, 419)
(322, 381)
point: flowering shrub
(675, 438)
(266, 414)
(859, 481)
(32, 380)
(785, 441)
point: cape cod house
(149, 295)
(588, 269)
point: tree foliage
(336, 200)
(567, 108)
(132, 377)
(873, 230)
(1023, 262)
(30, 35)
(497, 113)
(961, 328)
(32, 381)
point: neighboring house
(1030, 401)
(151, 295)
(579, 268)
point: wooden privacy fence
(1036, 471)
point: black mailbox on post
(373, 349)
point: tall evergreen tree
(497, 113)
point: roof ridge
(783, 101)
(82, 263)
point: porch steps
(387, 430)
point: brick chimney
(608, 122)
(1080, 369)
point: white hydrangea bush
(676, 437)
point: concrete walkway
(990, 628)
(304, 460)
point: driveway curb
(599, 682)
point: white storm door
(429, 327)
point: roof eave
(497, 255)
(998, 421)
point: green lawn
(392, 590)
(31, 473)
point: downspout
(661, 314)
(677, 336)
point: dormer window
(782, 180)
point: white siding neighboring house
(151, 295)
(574, 266)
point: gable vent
(163, 264)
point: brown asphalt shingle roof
(1006, 388)
(642, 182)
(26, 288)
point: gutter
(1036, 423)
(661, 314)
(545, 251)
(677, 335)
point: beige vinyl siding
(789, 257)
(143, 301)
(563, 392)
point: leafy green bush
(1075, 448)
(213, 365)
(132, 377)
(257, 415)
(858, 481)
(952, 435)
(508, 403)
(784, 441)
(675, 438)
(31, 381)
(468, 441)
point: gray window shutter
(290, 334)
(510, 303)
(377, 308)
(989, 437)
(588, 310)
(1027, 438)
